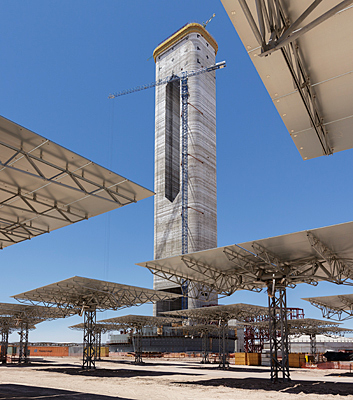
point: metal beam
(278, 332)
(280, 31)
(252, 23)
(295, 32)
(137, 342)
(61, 173)
(21, 356)
(205, 347)
(196, 287)
(295, 25)
(4, 342)
(223, 344)
(313, 348)
(282, 36)
(89, 339)
(340, 270)
(216, 278)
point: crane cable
(108, 215)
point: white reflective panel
(44, 186)
(78, 293)
(327, 55)
(238, 311)
(32, 314)
(250, 270)
(337, 302)
(138, 321)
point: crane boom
(168, 79)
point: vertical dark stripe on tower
(172, 140)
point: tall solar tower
(189, 49)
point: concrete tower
(189, 49)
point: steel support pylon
(89, 339)
(20, 354)
(205, 348)
(23, 351)
(138, 346)
(313, 349)
(98, 344)
(278, 332)
(223, 348)
(4, 343)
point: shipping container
(48, 351)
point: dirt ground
(62, 378)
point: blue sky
(61, 59)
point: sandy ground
(62, 378)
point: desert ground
(63, 378)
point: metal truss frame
(98, 341)
(72, 295)
(20, 354)
(33, 205)
(25, 317)
(278, 332)
(340, 314)
(256, 329)
(203, 330)
(252, 270)
(223, 345)
(137, 342)
(254, 333)
(89, 339)
(275, 32)
(4, 342)
(314, 328)
(205, 346)
(341, 270)
(78, 180)
(259, 268)
(207, 316)
(23, 350)
(195, 287)
(136, 323)
(313, 348)
(211, 281)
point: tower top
(185, 30)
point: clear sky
(62, 58)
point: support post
(278, 332)
(223, 348)
(138, 346)
(98, 344)
(4, 343)
(25, 348)
(313, 349)
(89, 339)
(205, 348)
(21, 333)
